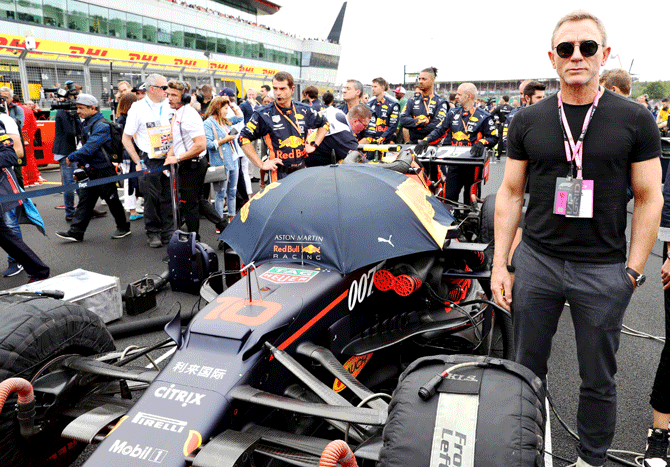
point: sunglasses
(165, 88)
(586, 48)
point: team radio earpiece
(186, 95)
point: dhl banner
(44, 46)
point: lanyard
(465, 124)
(160, 112)
(427, 107)
(293, 124)
(574, 152)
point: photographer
(188, 152)
(93, 157)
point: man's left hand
(68, 161)
(478, 149)
(171, 160)
(309, 149)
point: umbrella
(340, 217)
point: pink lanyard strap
(574, 152)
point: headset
(186, 95)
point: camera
(64, 96)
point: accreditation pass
(574, 197)
(160, 139)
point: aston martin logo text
(145, 453)
(299, 238)
(158, 422)
(186, 397)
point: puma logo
(383, 240)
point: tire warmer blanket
(455, 430)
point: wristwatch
(639, 278)
(313, 143)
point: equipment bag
(491, 415)
(190, 262)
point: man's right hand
(501, 286)
(421, 147)
(271, 164)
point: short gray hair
(152, 79)
(358, 86)
(7, 89)
(580, 15)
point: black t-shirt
(621, 132)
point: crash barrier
(75, 186)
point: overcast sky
(480, 40)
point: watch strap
(633, 273)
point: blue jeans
(67, 177)
(12, 222)
(228, 191)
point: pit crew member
(385, 113)
(466, 125)
(284, 124)
(425, 111)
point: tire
(33, 331)
(486, 219)
(501, 341)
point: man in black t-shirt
(574, 240)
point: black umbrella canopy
(340, 217)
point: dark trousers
(459, 178)
(191, 178)
(89, 196)
(157, 192)
(660, 393)
(598, 295)
(242, 195)
(23, 255)
(207, 209)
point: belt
(291, 168)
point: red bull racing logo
(291, 142)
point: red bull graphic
(354, 366)
(311, 249)
(291, 142)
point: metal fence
(29, 73)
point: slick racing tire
(486, 218)
(33, 331)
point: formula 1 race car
(303, 338)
